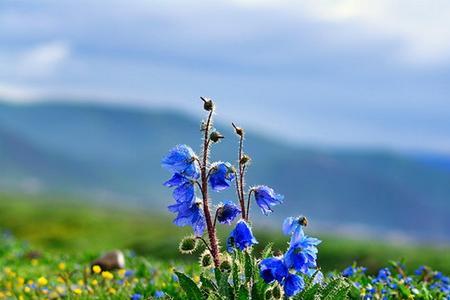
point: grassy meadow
(62, 226)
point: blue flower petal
(181, 159)
(241, 237)
(266, 197)
(293, 284)
(227, 213)
(272, 269)
(221, 176)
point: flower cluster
(394, 282)
(194, 175)
(300, 258)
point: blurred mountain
(113, 154)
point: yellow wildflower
(197, 279)
(96, 269)
(94, 282)
(77, 291)
(42, 281)
(112, 291)
(20, 281)
(121, 272)
(34, 262)
(62, 266)
(60, 279)
(27, 289)
(107, 275)
(80, 282)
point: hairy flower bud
(245, 159)
(302, 220)
(277, 293)
(239, 131)
(216, 136)
(225, 266)
(268, 295)
(208, 104)
(188, 245)
(206, 259)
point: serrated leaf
(248, 267)
(243, 293)
(208, 283)
(189, 287)
(267, 250)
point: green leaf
(248, 267)
(207, 283)
(267, 250)
(190, 288)
(243, 293)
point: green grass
(68, 226)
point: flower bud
(245, 159)
(208, 104)
(268, 295)
(225, 266)
(206, 259)
(277, 293)
(302, 220)
(239, 131)
(188, 245)
(215, 136)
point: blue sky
(342, 73)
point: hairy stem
(209, 224)
(248, 202)
(240, 177)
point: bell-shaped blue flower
(293, 284)
(221, 176)
(182, 159)
(273, 268)
(241, 237)
(189, 214)
(302, 256)
(266, 197)
(294, 227)
(227, 212)
(184, 191)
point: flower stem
(240, 177)
(248, 202)
(209, 225)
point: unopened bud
(206, 259)
(225, 266)
(239, 131)
(277, 253)
(188, 244)
(277, 293)
(302, 220)
(208, 104)
(268, 295)
(244, 159)
(215, 136)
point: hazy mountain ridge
(86, 149)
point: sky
(330, 73)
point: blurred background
(345, 104)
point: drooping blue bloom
(349, 271)
(182, 159)
(293, 284)
(272, 269)
(302, 255)
(294, 227)
(383, 274)
(221, 176)
(266, 197)
(227, 212)
(136, 296)
(189, 214)
(241, 237)
(159, 294)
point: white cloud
(420, 27)
(43, 60)
(15, 93)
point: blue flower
(349, 272)
(227, 212)
(184, 191)
(241, 237)
(136, 297)
(294, 226)
(221, 176)
(302, 255)
(182, 159)
(189, 214)
(272, 269)
(159, 294)
(293, 284)
(266, 197)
